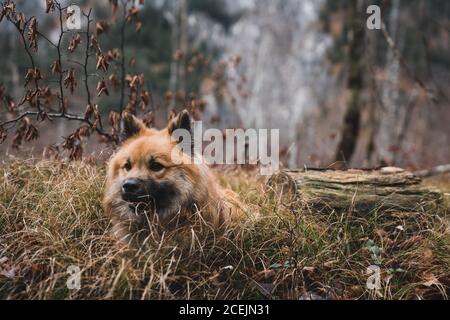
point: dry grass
(51, 218)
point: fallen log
(361, 191)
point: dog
(151, 180)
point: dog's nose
(131, 186)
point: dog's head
(150, 173)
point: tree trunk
(355, 84)
(183, 48)
(173, 81)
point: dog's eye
(127, 165)
(155, 166)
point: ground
(51, 218)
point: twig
(75, 62)
(86, 58)
(51, 116)
(45, 38)
(30, 56)
(58, 49)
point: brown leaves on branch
(30, 97)
(56, 67)
(102, 27)
(134, 81)
(47, 95)
(92, 110)
(102, 88)
(138, 96)
(70, 81)
(25, 131)
(32, 75)
(32, 34)
(113, 54)
(39, 95)
(49, 6)
(102, 62)
(114, 121)
(132, 14)
(8, 10)
(20, 21)
(97, 118)
(72, 143)
(94, 45)
(74, 43)
(88, 112)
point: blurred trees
(355, 81)
(397, 69)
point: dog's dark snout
(131, 186)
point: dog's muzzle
(135, 191)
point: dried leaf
(32, 33)
(145, 97)
(74, 43)
(88, 112)
(102, 62)
(102, 27)
(70, 80)
(56, 67)
(138, 26)
(132, 14)
(94, 45)
(50, 6)
(101, 88)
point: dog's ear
(130, 126)
(181, 120)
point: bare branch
(87, 55)
(51, 116)
(58, 49)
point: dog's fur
(176, 193)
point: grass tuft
(51, 218)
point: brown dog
(150, 179)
